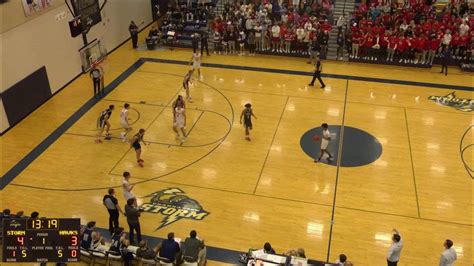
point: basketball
(316, 138)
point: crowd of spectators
(410, 32)
(285, 26)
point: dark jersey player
(103, 123)
(247, 114)
(135, 143)
(186, 81)
(116, 241)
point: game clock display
(41, 240)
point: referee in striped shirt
(111, 203)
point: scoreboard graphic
(41, 240)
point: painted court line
(223, 255)
(304, 73)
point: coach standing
(132, 214)
(133, 29)
(111, 203)
(317, 73)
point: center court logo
(175, 205)
(465, 105)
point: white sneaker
(183, 140)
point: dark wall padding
(25, 96)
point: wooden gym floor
(267, 189)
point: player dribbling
(124, 122)
(135, 143)
(325, 138)
(247, 114)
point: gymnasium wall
(44, 41)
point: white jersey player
(196, 61)
(325, 138)
(179, 122)
(124, 122)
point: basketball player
(325, 138)
(196, 61)
(186, 81)
(104, 123)
(135, 143)
(124, 121)
(127, 188)
(179, 102)
(247, 114)
(179, 122)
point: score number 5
(23, 253)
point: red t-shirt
(401, 45)
(356, 38)
(409, 42)
(283, 31)
(426, 44)
(383, 41)
(369, 40)
(392, 42)
(455, 40)
(427, 26)
(434, 44)
(326, 27)
(464, 40)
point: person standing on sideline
(247, 114)
(135, 143)
(111, 203)
(395, 250)
(445, 61)
(96, 75)
(340, 45)
(127, 188)
(317, 73)
(133, 221)
(325, 138)
(133, 29)
(124, 121)
(204, 42)
(449, 254)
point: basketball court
(402, 154)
